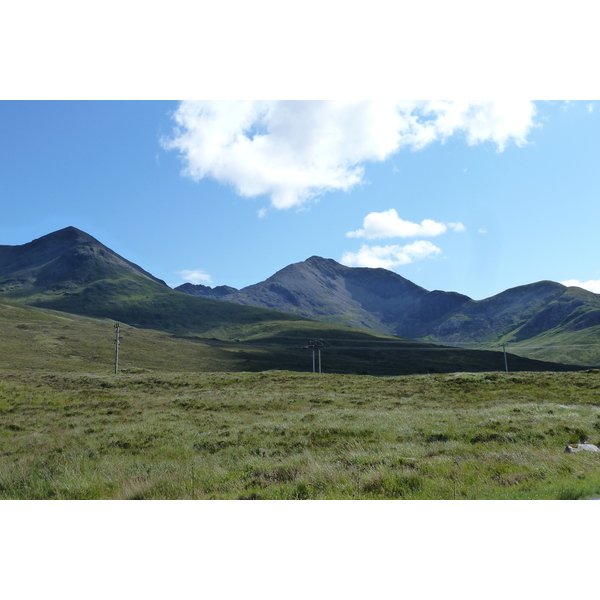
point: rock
(582, 448)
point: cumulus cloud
(391, 256)
(293, 151)
(592, 286)
(500, 122)
(195, 277)
(387, 224)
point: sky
(468, 196)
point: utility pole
(116, 348)
(505, 361)
(320, 360)
(316, 345)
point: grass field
(285, 435)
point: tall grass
(284, 435)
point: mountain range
(555, 318)
(365, 314)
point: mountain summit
(62, 260)
(321, 288)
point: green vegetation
(41, 339)
(284, 435)
(144, 303)
(575, 347)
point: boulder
(582, 448)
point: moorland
(286, 435)
(213, 400)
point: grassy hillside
(581, 346)
(37, 339)
(544, 321)
(143, 303)
(42, 339)
(282, 435)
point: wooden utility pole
(505, 361)
(316, 345)
(116, 348)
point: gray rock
(582, 448)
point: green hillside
(42, 339)
(143, 303)
(562, 328)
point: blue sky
(474, 198)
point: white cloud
(388, 224)
(195, 277)
(293, 151)
(592, 286)
(388, 257)
(457, 227)
(590, 107)
(500, 121)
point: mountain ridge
(385, 302)
(72, 272)
(321, 288)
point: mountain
(91, 286)
(61, 261)
(546, 312)
(320, 288)
(71, 271)
(205, 291)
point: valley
(217, 400)
(69, 274)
